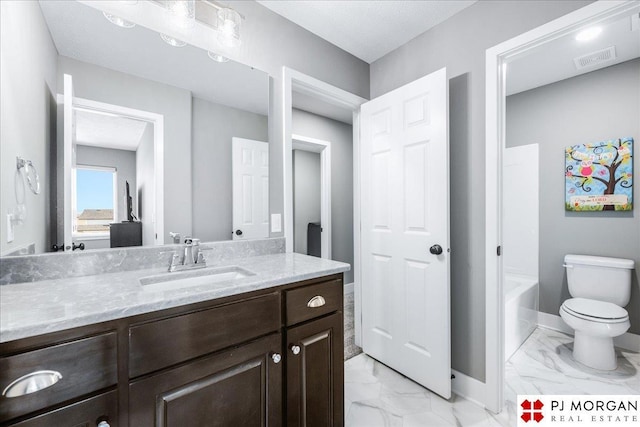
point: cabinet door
(315, 375)
(237, 387)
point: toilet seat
(595, 311)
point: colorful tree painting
(599, 176)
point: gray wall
(598, 106)
(306, 196)
(105, 85)
(460, 44)
(27, 118)
(275, 43)
(213, 126)
(340, 135)
(144, 186)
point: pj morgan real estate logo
(578, 410)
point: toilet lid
(593, 308)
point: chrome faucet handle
(175, 262)
(188, 253)
(201, 259)
(175, 237)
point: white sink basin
(186, 279)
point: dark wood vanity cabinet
(237, 387)
(265, 358)
(315, 373)
(315, 355)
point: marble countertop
(30, 309)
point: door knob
(435, 249)
(238, 232)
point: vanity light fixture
(180, 14)
(123, 23)
(172, 41)
(588, 34)
(217, 57)
(228, 23)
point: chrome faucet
(188, 251)
(193, 258)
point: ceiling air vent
(595, 58)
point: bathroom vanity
(266, 351)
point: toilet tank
(599, 278)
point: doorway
(497, 59)
(312, 196)
(148, 163)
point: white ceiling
(554, 61)
(107, 130)
(82, 32)
(367, 29)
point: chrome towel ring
(33, 179)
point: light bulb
(588, 34)
(216, 57)
(181, 13)
(229, 27)
(172, 41)
(123, 23)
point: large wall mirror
(127, 134)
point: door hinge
(499, 251)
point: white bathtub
(520, 311)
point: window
(94, 200)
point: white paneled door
(405, 231)
(250, 164)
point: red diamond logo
(532, 411)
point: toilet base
(595, 352)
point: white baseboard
(348, 288)
(627, 341)
(468, 387)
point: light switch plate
(10, 236)
(276, 223)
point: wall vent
(595, 58)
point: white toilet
(600, 287)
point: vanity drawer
(103, 407)
(312, 301)
(84, 365)
(162, 343)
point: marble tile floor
(544, 365)
(376, 395)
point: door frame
(295, 81)
(497, 58)
(157, 121)
(313, 145)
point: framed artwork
(599, 177)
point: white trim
(627, 341)
(468, 387)
(304, 143)
(357, 271)
(302, 83)
(157, 120)
(348, 288)
(496, 60)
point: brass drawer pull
(30, 383)
(315, 302)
